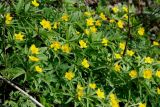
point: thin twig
(129, 32)
(19, 89)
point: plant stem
(129, 31)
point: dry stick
(19, 89)
(129, 32)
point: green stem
(129, 32)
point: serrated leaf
(12, 73)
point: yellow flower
(65, 17)
(87, 14)
(55, 25)
(122, 52)
(142, 104)
(38, 69)
(114, 103)
(112, 96)
(117, 56)
(104, 41)
(79, 87)
(122, 45)
(155, 43)
(92, 85)
(125, 16)
(77, 32)
(113, 100)
(133, 74)
(141, 31)
(117, 67)
(90, 22)
(46, 24)
(65, 48)
(56, 45)
(19, 36)
(102, 16)
(82, 44)
(69, 75)
(125, 9)
(80, 92)
(86, 31)
(8, 18)
(115, 9)
(93, 29)
(35, 3)
(85, 63)
(34, 49)
(120, 24)
(158, 90)
(158, 73)
(148, 60)
(98, 23)
(147, 74)
(111, 20)
(130, 52)
(33, 58)
(100, 93)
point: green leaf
(97, 36)
(12, 73)
(27, 6)
(69, 100)
(0, 51)
(19, 6)
(43, 57)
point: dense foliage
(64, 53)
